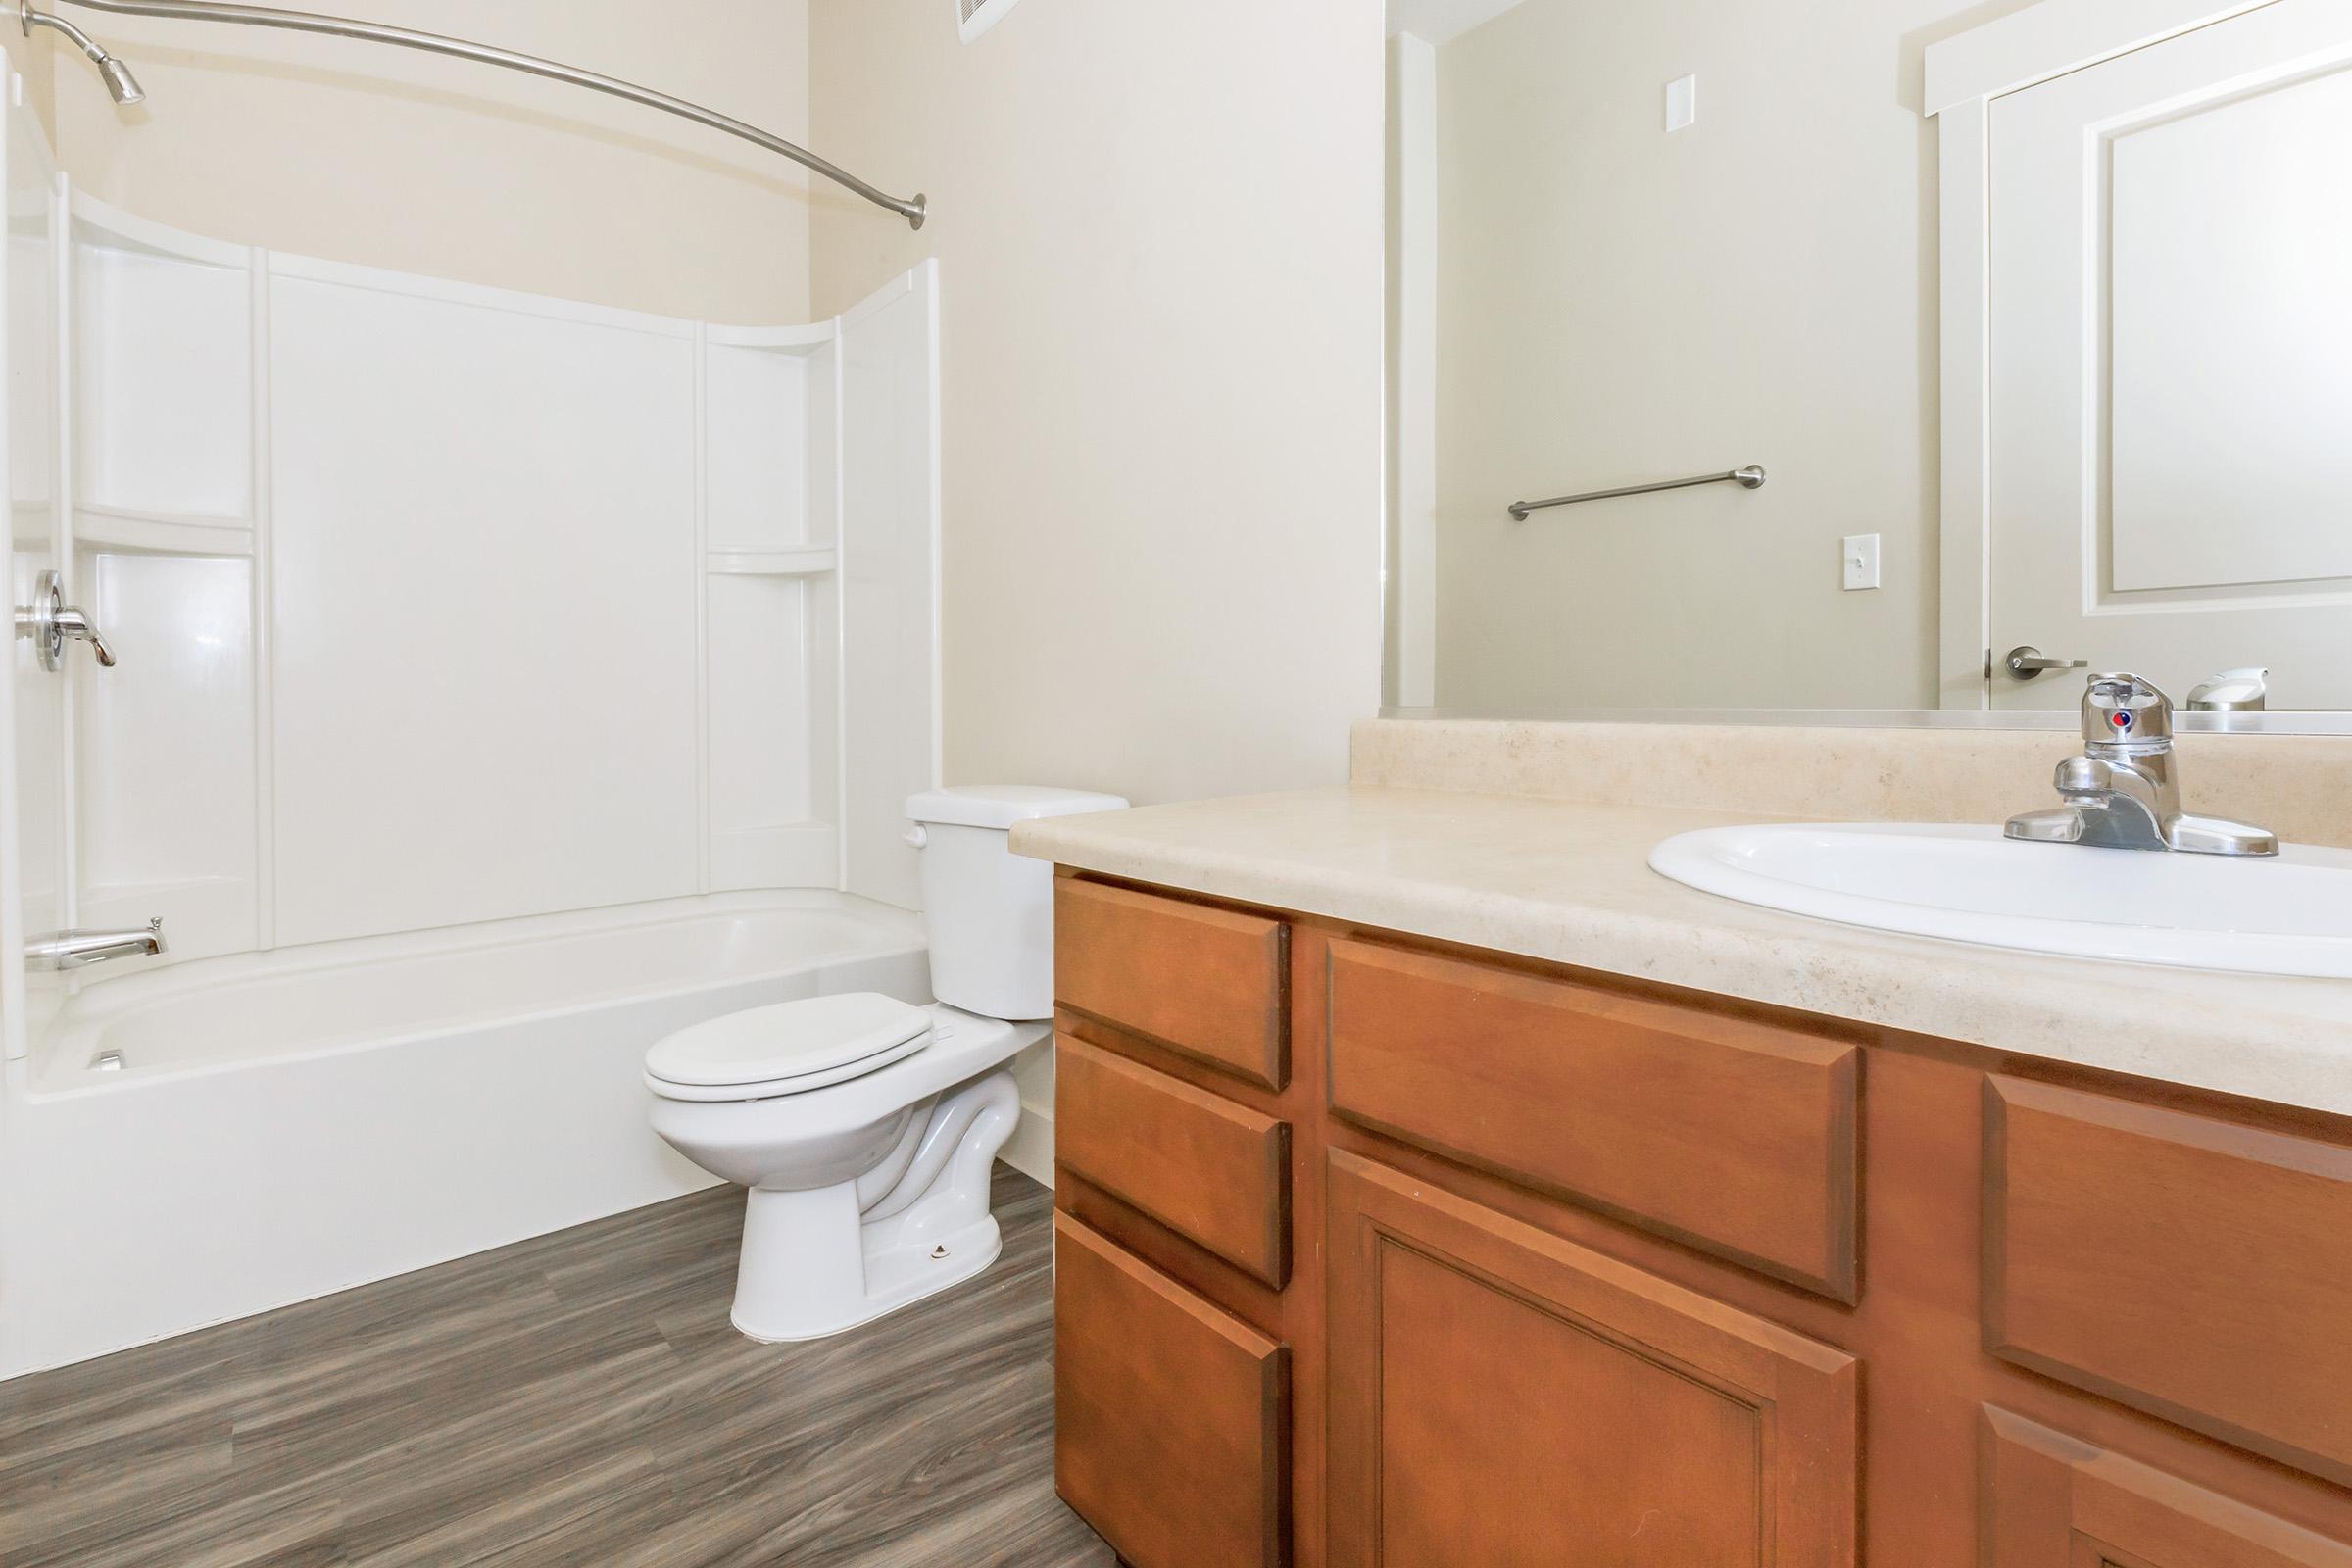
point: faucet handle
(2124, 710)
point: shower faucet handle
(50, 622)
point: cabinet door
(1171, 1418)
(1503, 1399)
(2053, 1501)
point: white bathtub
(284, 1125)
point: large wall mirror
(2039, 338)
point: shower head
(121, 84)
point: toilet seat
(787, 1048)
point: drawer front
(2189, 1267)
(1204, 982)
(1734, 1135)
(1207, 1168)
(2055, 1501)
(1171, 1418)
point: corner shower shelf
(769, 562)
(169, 533)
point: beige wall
(1160, 233)
(362, 153)
(37, 62)
(1617, 305)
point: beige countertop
(1570, 882)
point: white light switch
(1682, 102)
(1861, 560)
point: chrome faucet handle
(71, 624)
(2123, 711)
(50, 622)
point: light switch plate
(1861, 555)
(1682, 102)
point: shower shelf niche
(769, 562)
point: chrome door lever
(51, 623)
(2025, 662)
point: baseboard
(1030, 1149)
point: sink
(2288, 915)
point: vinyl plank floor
(579, 1399)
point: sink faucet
(75, 950)
(2121, 793)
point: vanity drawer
(1171, 1418)
(1734, 1135)
(2189, 1267)
(1201, 981)
(1209, 1169)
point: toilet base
(899, 1277)
(820, 1261)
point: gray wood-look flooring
(580, 1398)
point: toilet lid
(789, 1040)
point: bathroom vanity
(1390, 1233)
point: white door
(33, 867)
(2171, 369)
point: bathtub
(218, 1138)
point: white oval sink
(2291, 915)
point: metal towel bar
(1750, 477)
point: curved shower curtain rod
(126, 90)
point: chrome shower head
(121, 84)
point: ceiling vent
(976, 16)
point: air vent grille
(975, 17)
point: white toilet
(865, 1126)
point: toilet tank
(991, 911)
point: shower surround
(504, 682)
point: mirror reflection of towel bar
(1750, 477)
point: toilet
(863, 1125)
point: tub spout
(75, 950)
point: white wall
(1617, 305)
(388, 158)
(1160, 233)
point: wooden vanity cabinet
(1375, 1252)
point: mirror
(1968, 410)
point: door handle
(2027, 662)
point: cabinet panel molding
(2190, 1267)
(1215, 1172)
(1171, 1417)
(1502, 1396)
(1205, 982)
(1731, 1135)
(2055, 1501)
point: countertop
(1570, 882)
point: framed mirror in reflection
(2033, 317)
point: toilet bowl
(864, 1126)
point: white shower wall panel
(484, 605)
(167, 819)
(758, 449)
(890, 577)
(164, 406)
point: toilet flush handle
(916, 836)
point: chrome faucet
(49, 623)
(76, 950)
(2121, 793)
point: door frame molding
(1965, 74)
